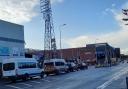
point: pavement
(93, 78)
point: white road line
(45, 80)
(35, 82)
(29, 85)
(116, 77)
(14, 87)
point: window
(49, 64)
(24, 65)
(11, 40)
(59, 63)
(8, 66)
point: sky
(87, 21)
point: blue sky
(88, 21)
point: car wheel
(42, 75)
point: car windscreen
(8, 66)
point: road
(93, 78)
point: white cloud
(57, 1)
(109, 10)
(19, 11)
(113, 5)
(117, 38)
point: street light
(95, 48)
(60, 39)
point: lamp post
(60, 39)
(96, 50)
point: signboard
(4, 51)
(15, 51)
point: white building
(11, 40)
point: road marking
(35, 82)
(45, 80)
(115, 77)
(29, 85)
(13, 87)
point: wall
(11, 40)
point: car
(82, 66)
(72, 67)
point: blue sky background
(87, 21)
(84, 17)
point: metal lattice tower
(49, 36)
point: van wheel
(25, 77)
(47, 74)
(13, 80)
(57, 72)
(31, 78)
(42, 75)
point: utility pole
(49, 34)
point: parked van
(21, 68)
(55, 66)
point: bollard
(127, 82)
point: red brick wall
(84, 53)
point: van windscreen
(8, 66)
(59, 63)
(49, 64)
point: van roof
(19, 60)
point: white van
(55, 66)
(21, 68)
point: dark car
(83, 66)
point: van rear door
(48, 67)
(61, 66)
(9, 69)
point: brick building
(101, 53)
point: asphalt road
(93, 78)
